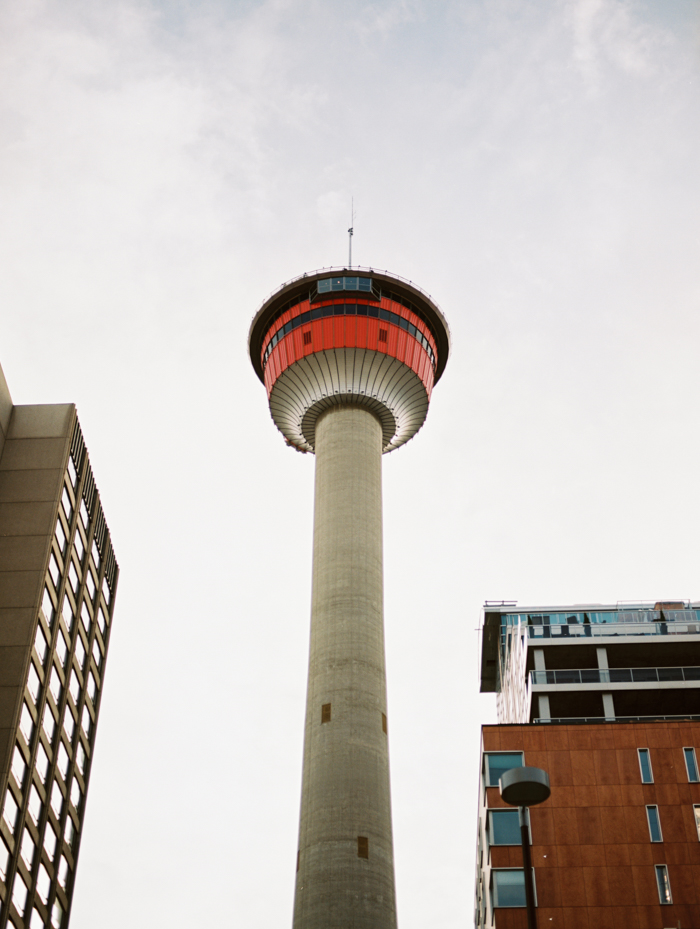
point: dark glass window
(691, 765)
(663, 884)
(654, 824)
(504, 827)
(645, 766)
(508, 887)
(496, 763)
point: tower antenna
(351, 230)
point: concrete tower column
(345, 875)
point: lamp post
(525, 787)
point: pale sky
(163, 167)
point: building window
(68, 724)
(60, 536)
(74, 687)
(508, 887)
(80, 758)
(55, 685)
(40, 644)
(72, 473)
(54, 571)
(362, 846)
(33, 682)
(26, 723)
(307, 338)
(43, 884)
(645, 765)
(504, 827)
(9, 813)
(80, 652)
(36, 922)
(79, 546)
(95, 555)
(34, 805)
(67, 505)
(56, 800)
(56, 915)
(47, 606)
(48, 723)
(654, 824)
(75, 794)
(50, 841)
(19, 893)
(61, 649)
(84, 514)
(42, 763)
(4, 859)
(62, 760)
(497, 763)
(27, 849)
(19, 767)
(73, 578)
(67, 614)
(663, 884)
(691, 765)
(383, 333)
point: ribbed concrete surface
(345, 790)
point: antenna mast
(350, 231)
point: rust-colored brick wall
(592, 853)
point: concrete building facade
(58, 581)
(349, 360)
(607, 700)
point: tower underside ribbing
(345, 876)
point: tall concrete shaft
(345, 876)
(349, 359)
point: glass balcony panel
(620, 676)
(641, 675)
(674, 674)
(590, 676)
(689, 674)
(568, 677)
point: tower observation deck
(349, 358)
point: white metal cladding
(373, 379)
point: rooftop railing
(604, 629)
(596, 720)
(615, 675)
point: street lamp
(525, 787)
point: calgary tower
(349, 358)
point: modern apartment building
(58, 581)
(607, 700)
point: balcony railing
(615, 675)
(577, 720)
(606, 630)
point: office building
(606, 699)
(349, 359)
(58, 580)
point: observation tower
(349, 358)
